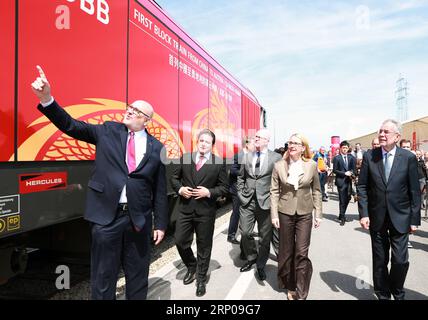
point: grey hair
(396, 123)
(264, 133)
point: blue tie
(387, 165)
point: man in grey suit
(253, 188)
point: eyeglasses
(136, 112)
(258, 137)
(293, 143)
(386, 132)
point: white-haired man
(390, 206)
(253, 186)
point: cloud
(320, 68)
(281, 29)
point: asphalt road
(341, 258)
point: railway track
(39, 280)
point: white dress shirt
(392, 154)
(44, 105)
(206, 157)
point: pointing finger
(42, 74)
(39, 84)
(35, 85)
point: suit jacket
(285, 199)
(238, 159)
(339, 168)
(145, 187)
(248, 183)
(212, 175)
(400, 197)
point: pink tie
(200, 163)
(131, 152)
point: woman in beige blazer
(295, 194)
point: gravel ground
(164, 253)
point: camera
(285, 147)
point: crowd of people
(280, 191)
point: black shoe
(383, 296)
(324, 199)
(232, 240)
(337, 219)
(261, 274)
(200, 289)
(247, 266)
(274, 257)
(342, 222)
(189, 277)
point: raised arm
(58, 116)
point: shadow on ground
(341, 282)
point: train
(99, 56)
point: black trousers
(387, 282)
(203, 225)
(234, 217)
(116, 245)
(344, 197)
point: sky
(321, 68)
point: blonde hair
(306, 155)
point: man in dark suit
(247, 146)
(199, 180)
(389, 204)
(344, 169)
(253, 185)
(127, 186)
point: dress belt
(123, 207)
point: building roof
(420, 126)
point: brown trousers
(294, 266)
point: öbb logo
(100, 7)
